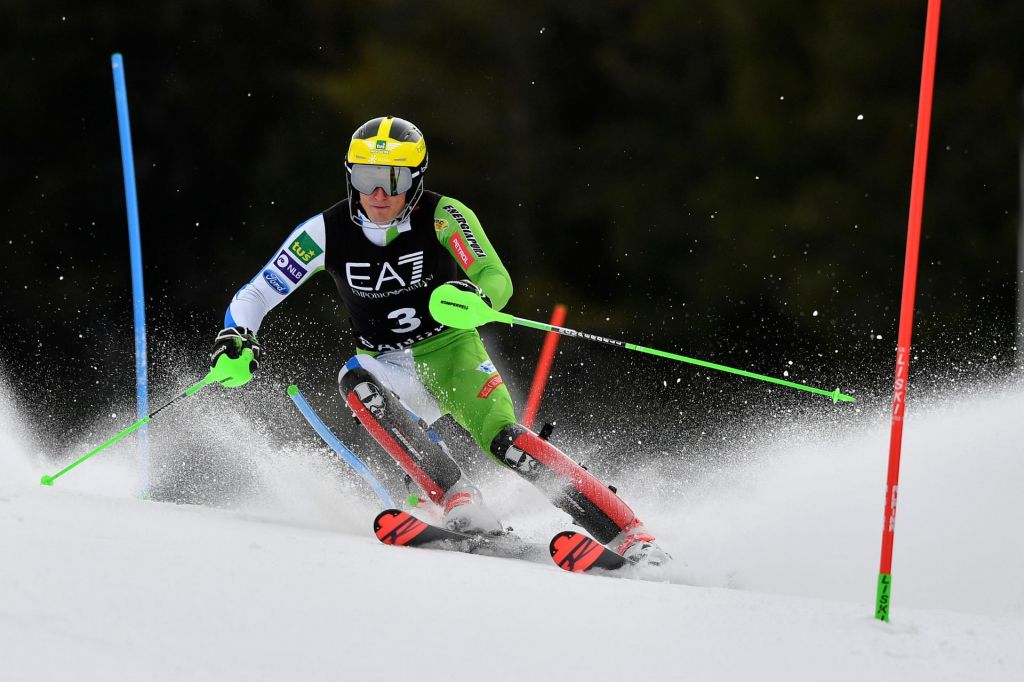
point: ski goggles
(392, 179)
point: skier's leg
(368, 385)
(365, 387)
(466, 383)
(577, 492)
(569, 486)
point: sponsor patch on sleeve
(461, 252)
(467, 232)
(487, 368)
(305, 248)
(276, 282)
(289, 267)
(489, 387)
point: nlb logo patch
(276, 282)
(289, 267)
(461, 251)
(489, 387)
(305, 248)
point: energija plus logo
(464, 228)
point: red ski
(577, 553)
(396, 527)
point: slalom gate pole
(49, 479)
(347, 455)
(465, 310)
(135, 250)
(540, 375)
(924, 114)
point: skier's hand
(230, 364)
(469, 285)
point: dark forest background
(724, 179)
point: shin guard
(418, 450)
(569, 486)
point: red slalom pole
(924, 116)
(540, 375)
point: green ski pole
(220, 374)
(461, 309)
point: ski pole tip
(837, 396)
(46, 480)
(293, 390)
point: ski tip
(396, 527)
(576, 553)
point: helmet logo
(381, 145)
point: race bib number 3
(407, 320)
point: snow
(777, 562)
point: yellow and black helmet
(389, 153)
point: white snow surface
(774, 579)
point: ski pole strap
(464, 310)
(318, 425)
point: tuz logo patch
(489, 387)
(440, 225)
(305, 248)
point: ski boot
(638, 548)
(465, 511)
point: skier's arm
(459, 230)
(300, 257)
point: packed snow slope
(774, 580)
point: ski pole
(214, 375)
(465, 310)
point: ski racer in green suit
(387, 246)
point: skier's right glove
(229, 362)
(470, 285)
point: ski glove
(226, 357)
(469, 285)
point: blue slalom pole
(135, 248)
(314, 420)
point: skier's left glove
(469, 285)
(229, 362)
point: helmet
(395, 156)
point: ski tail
(577, 553)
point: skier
(387, 247)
